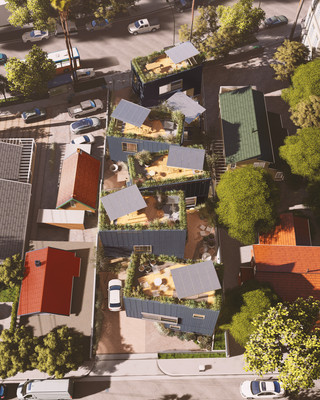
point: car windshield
(276, 386)
(37, 111)
(32, 34)
(93, 104)
(255, 389)
(82, 123)
(86, 138)
(137, 24)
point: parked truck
(143, 26)
(45, 389)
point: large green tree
(306, 113)
(288, 57)
(61, 351)
(30, 77)
(305, 82)
(11, 271)
(285, 340)
(247, 200)
(302, 153)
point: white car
(271, 389)
(85, 73)
(114, 295)
(83, 139)
(35, 36)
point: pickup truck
(143, 26)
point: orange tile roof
(79, 180)
(48, 288)
(291, 231)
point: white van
(45, 389)
(72, 28)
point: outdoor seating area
(115, 175)
(144, 216)
(163, 65)
(150, 128)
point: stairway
(218, 150)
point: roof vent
(37, 263)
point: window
(138, 249)
(198, 316)
(176, 85)
(129, 147)
(175, 327)
(170, 87)
(191, 201)
(159, 318)
(73, 203)
(260, 164)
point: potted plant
(144, 157)
(211, 240)
(144, 260)
(153, 261)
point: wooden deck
(164, 65)
(152, 129)
(143, 216)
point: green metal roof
(245, 125)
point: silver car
(84, 125)
(85, 107)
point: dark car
(34, 114)
(3, 391)
(3, 58)
(85, 107)
(98, 24)
(85, 124)
(182, 5)
(275, 21)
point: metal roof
(185, 157)
(129, 112)
(195, 279)
(123, 202)
(190, 108)
(10, 158)
(182, 52)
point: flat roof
(185, 157)
(185, 104)
(129, 112)
(182, 52)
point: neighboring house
(193, 294)
(130, 222)
(134, 128)
(180, 168)
(48, 281)
(311, 29)
(79, 182)
(245, 128)
(16, 164)
(157, 76)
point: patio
(115, 175)
(150, 128)
(164, 65)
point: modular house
(148, 223)
(157, 76)
(184, 297)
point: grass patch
(190, 355)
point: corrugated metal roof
(190, 108)
(129, 112)
(195, 279)
(10, 158)
(185, 157)
(182, 52)
(123, 202)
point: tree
(30, 77)
(3, 85)
(306, 113)
(286, 340)
(61, 351)
(247, 199)
(288, 57)
(17, 351)
(305, 82)
(11, 271)
(302, 153)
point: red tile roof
(48, 288)
(291, 231)
(79, 180)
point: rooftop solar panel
(183, 103)
(185, 157)
(129, 112)
(182, 52)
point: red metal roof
(48, 287)
(79, 180)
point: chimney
(37, 263)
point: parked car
(85, 73)
(114, 295)
(85, 124)
(35, 36)
(3, 391)
(183, 5)
(33, 115)
(143, 26)
(72, 28)
(83, 139)
(98, 24)
(271, 389)
(275, 21)
(85, 107)
(3, 58)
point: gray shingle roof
(129, 112)
(10, 158)
(185, 157)
(190, 108)
(182, 52)
(123, 202)
(195, 279)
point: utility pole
(296, 20)
(192, 16)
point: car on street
(98, 24)
(270, 389)
(275, 21)
(3, 58)
(85, 107)
(83, 139)
(85, 124)
(184, 5)
(35, 114)
(3, 391)
(114, 295)
(35, 36)
(85, 73)
(143, 26)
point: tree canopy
(305, 82)
(302, 153)
(285, 339)
(307, 113)
(11, 271)
(288, 57)
(30, 77)
(247, 200)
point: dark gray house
(157, 76)
(148, 223)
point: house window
(175, 327)
(260, 164)
(170, 87)
(73, 203)
(198, 316)
(279, 176)
(142, 249)
(129, 147)
(191, 201)
(159, 318)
